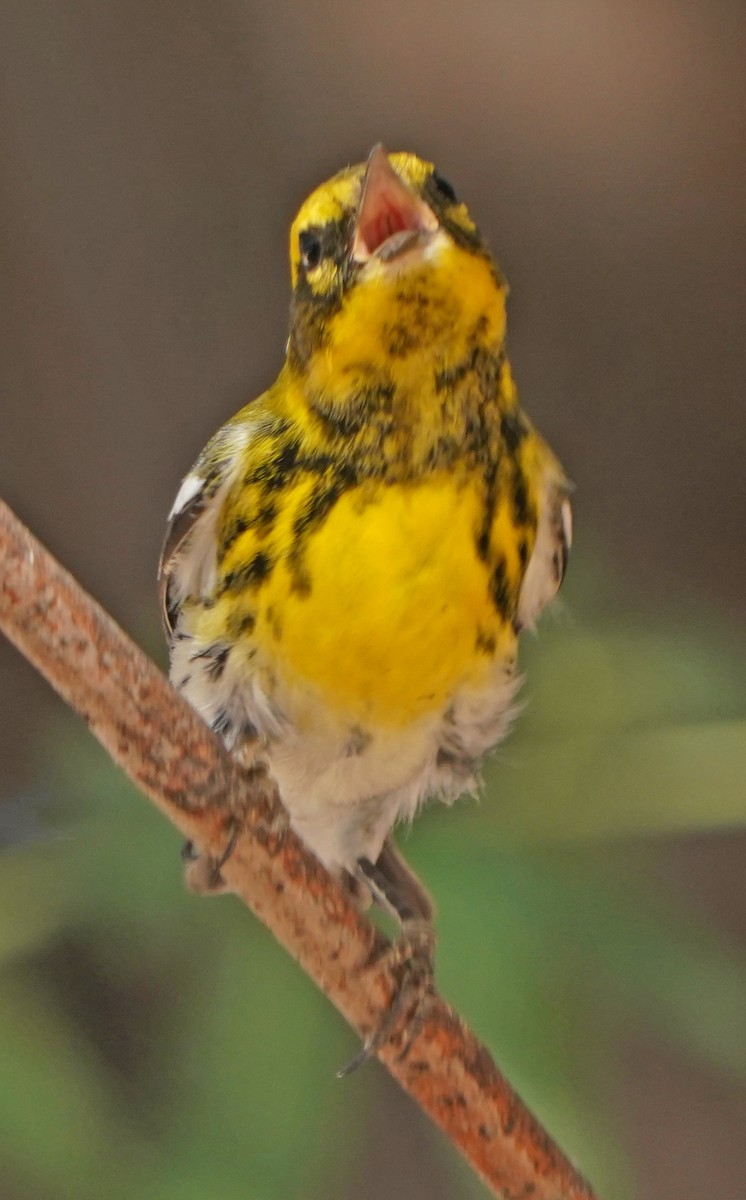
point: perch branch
(161, 743)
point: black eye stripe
(310, 248)
(445, 188)
(317, 242)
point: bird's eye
(445, 188)
(310, 249)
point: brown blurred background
(152, 158)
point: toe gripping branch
(202, 871)
(410, 958)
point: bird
(349, 563)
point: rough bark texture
(153, 735)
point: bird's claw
(202, 872)
(411, 961)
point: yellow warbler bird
(350, 561)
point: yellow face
(372, 229)
(329, 214)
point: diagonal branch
(153, 735)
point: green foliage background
(156, 1045)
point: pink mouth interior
(383, 225)
(385, 215)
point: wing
(548, 563)
(188, 558)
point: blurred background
(592, 906)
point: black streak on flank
(241, 624)
(500, 590)
(485, 643)
(265, 517)
(485, 364)
(513, 429)
(231, 535)
(322, 500)
(312, 515)
(450, 377)
(300, 580)
(483, 537)
(250, 576)
(520, 498)
(285, 463)
(272, 474)
(320, 503)
(274, 622)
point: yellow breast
(385, 607)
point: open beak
(391, 218)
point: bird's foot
(202, 871)
(410, 959)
